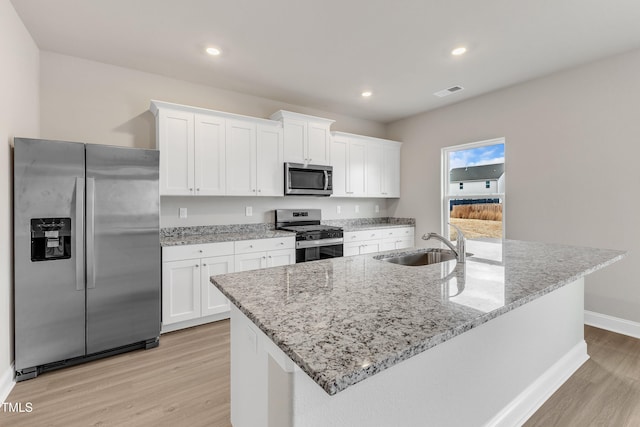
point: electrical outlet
(248, 211)
(338, 209)
(377, 209)
(357, 208)
(182, 213)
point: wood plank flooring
(185, 382)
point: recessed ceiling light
(213, 51)
(367, 93)
(458, 51)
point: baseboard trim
(613, 324)
(520, 409)
(6, 383)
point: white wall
(92, 102)
(571, 137)
(19, 111)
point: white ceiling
(324, 53)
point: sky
(486, 155)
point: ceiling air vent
(448, 91)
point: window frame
(446, 197)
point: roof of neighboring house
(477, 173)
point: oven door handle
(303, 244)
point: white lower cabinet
(377, 240)
(255, 254)
(188, 296)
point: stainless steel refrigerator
(86, 252)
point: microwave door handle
(326, 180)
(289, 180)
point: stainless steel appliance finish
(87, 252)
(307, 180)
(313, 240)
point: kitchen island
(358, 341)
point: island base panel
(497, 373)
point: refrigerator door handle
(91, 273)
(79, 233)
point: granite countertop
(360, 227)
(194, 239)
(342, 320)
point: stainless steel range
(313, 240)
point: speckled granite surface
(345, 319)
(356, 224)
(218, 233)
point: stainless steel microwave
(307, 180)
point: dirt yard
(476, 228)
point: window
(478, 210)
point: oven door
(307, 180)
(312, 250)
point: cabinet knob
(251, 246)
(197, 266)
(197, 189)
(204, 265)
(281, 243)
(269, 256)
(264, 257)
(259, 191)
(253, 190)
(200, 251)
(191, 189)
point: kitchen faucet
(460, 248)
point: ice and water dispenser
(50, 239)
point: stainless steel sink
(425, 257)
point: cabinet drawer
(258, 245)
(359, 236)
(174, 253)
(397, 232)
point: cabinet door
(209, 161)
(374, 169)
(391, 181)
(270, 161)
(283, 257)
(319, 144)
(295, 141)
(250, 261)
(176, 145)
(339, 162)
(355, 169)
(370, 247)
(351, 249)
(213, 301)
(180, 290)
(241, 158)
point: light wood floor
(185, 382)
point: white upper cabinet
(210, 156)
(307, 139)
(210, 153)
(270, 160)
(348, 161)
(175, 140)
(241, 158)
(365, 166)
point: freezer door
(123, 246)
(48, 215)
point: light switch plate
(338, 209)
(357, 208)
(182, 213)
(248, 211)
(377, 209)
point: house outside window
(473, 189)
